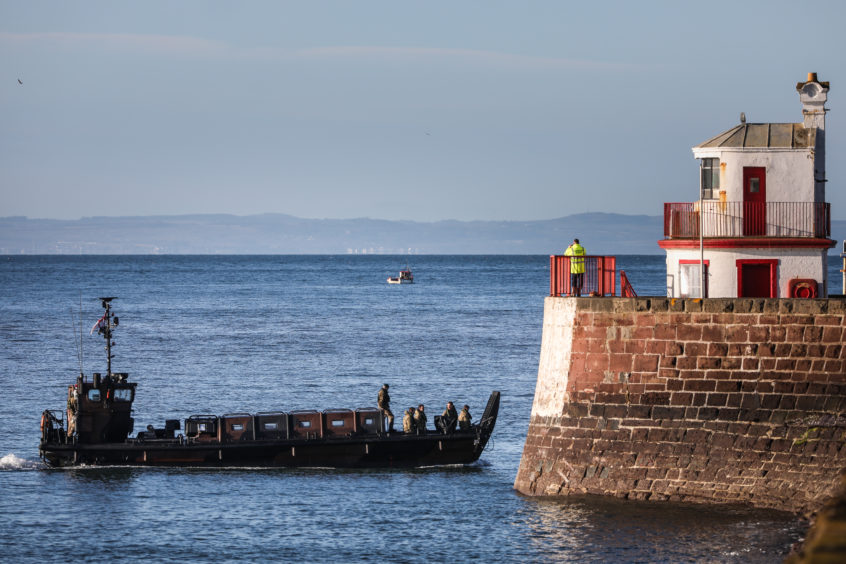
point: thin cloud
(165, 44)
(187, 46)
(466, 56)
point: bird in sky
(19, 81)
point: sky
(424, 111)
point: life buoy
(43, 417)
(804, 288)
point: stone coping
(836, 305)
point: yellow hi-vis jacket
(577, 265)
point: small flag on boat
(101, 323)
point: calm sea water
(217, 334)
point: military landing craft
(97, 425)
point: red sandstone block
(737, 334)
(675, 384)
(782, 350)
(716, 399)
(767, 364)
(596, 361)
(787, 402)
(798, 351)
(832, 335)
(759, 334)
(681, 398)
(664, 332)
(713, 333)
(815, 351)
(835, 368)
(708, 363)
(803, 365)
(833, 351)
(794, 333)
(687, 363)
(732, 362)
(767, 319)
(700, 385)
(596, 345)
(646, 363)
(813, 334)
(672, 348)
(634, 347)
(802, 320)
(620, 363)
(732, 386)
(785, 364)
(778, 334)
(689, 333)
(695, 349)
(827, 320)
(751, 363)
(667, 362)
(717, 349)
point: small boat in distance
(405, 277)
(100, 424)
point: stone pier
(737, 400)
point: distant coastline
(211, 234)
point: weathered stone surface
(692, 400)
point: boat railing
(53, 426)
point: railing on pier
(747, 219)
(599, 277)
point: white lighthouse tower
(761, 226)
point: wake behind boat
(99, 425)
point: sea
(222, 334)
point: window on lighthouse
(710, 178)
(690, 280)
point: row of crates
(276, 425)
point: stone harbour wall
(736, 400)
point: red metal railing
(747, 219)
(599, 277)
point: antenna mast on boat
(106, 330)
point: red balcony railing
(598, 278)
(747, 219)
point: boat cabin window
(305, 423)
(237, 427)
(123, 394)
(369, 421)
(270, 426)
(337, 422)
(94, 394)
(202, 427)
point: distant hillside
(600, 233)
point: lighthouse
(760, 226)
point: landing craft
(97, 425)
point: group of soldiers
(414, 420)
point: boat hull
(393, 450)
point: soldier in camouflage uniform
(408, 424)
(449, 418)
(464, 418)
(384, 403)
(420, 419)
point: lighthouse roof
(763, 135)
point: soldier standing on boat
(449, 418)
(420, 419)
(464, 418)
(384, 403)
(408, 425)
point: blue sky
(394, 110)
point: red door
(754, 200)
(756, 278)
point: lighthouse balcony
(717, 219)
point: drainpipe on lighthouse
(701, 237)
